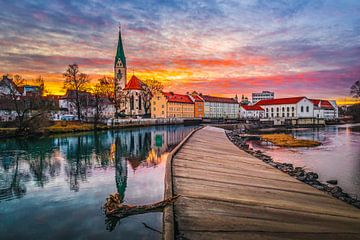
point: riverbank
(310, 178)
(61, 127)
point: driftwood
(115, 210)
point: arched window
(132, 102)
(140, 102)
(307, 108)
(302, 108)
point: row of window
(288, 109)
(283, 114)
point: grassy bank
(285, 140)
(55, 128)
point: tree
(108, 90)
(355, 89)
(152, 87)
(76, 81)
(101, 99)
(29, 109)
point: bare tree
(355, 89)
(108, 90)
(76, 81)
(152, 87)
(28, 108)
(101, 100)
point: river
(337, 158)
(54, 187)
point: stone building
(133, 97)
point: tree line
(32, 111)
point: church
(133, 96)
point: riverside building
(172, 105)
(256, 97)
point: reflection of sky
(54, 209)
(337, 158)
(301, 47)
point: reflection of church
(132, 95)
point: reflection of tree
(79, 162)
(102, 152)
(14, 187)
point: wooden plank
(229, 194)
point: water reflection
(63, 172)
(337, 158)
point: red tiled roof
(252, 108)
(180, 98)
(325, 104)
(208, 98)
(134, 84)
(197, 98)
(279, 101)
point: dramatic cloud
(293, 47)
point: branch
(113, 206)
(115, 210)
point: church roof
(120, 51)
(134, 84)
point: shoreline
(49, 133)
(308, 177)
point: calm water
(337, 158)
(54, 188)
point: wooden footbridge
(229, 194)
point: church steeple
(120, 55)
(120, 66)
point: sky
(221, 47)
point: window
(288, 109)
(283, 109)
(292, 109)
(277, 109)
(154, 108)
(267, 110)
(293, 114)
(307, 108)
(162, 112)
(132, 102)
(162, 106)
(272, 109)
(283, 114)
(140, 103)
(302, 109)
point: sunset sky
(299, 47)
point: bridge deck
(229, 194)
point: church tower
(120, 67)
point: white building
(282, 109)
(219, 107)
(262, 96)
(251, 112)
(325, 109)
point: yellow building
(171, 105)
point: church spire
(120, 51)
